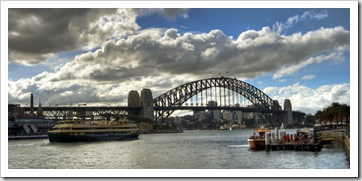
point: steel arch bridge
(176, 97)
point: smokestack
(31, 103)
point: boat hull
(66, 137)
(257, 144)
(327, 140)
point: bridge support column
(288, 113)
(133, 101)
(288, 118)
(146, 101)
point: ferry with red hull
(257, 140)
(92, 130)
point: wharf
(303, 140)
(294, 146)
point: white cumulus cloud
(309, 100)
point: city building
(216, 114)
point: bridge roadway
(242, 109)
(202, 108)
(126, 109)
(83, 108)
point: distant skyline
(96, 56)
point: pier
(294, 146)
(302, 140)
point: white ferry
(92, 130)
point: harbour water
(188, 150)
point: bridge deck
(126, 108)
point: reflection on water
(190, 150)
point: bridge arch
(179, 95)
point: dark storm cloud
(38, 34)
(40, 31)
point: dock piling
(288, 142)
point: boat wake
(238, 146)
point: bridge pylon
(146, 103)
(134, 101)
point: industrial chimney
(31, 103)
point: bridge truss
(178, 96)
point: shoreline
(27, 137)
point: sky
(96, 56)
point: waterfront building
(145, 127)
(216, 114)
(238, 115)
(227, 115)
(202, 115)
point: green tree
(346, 112)
(318, 115)
(329, 113)
(335, 110)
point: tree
(346, 112)
(319, 116)
(329, 113)
(335, 110)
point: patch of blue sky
(19, 71)
(233, 21)
(325, 73)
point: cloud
(128, 58)
(266, 50)
(291, 21)
(308, 77)
(92, 93)
(169, 13)
(314, 15)
(155, 51)
(36, 35)
(287, 70)
(153, 54)
(309, 100)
